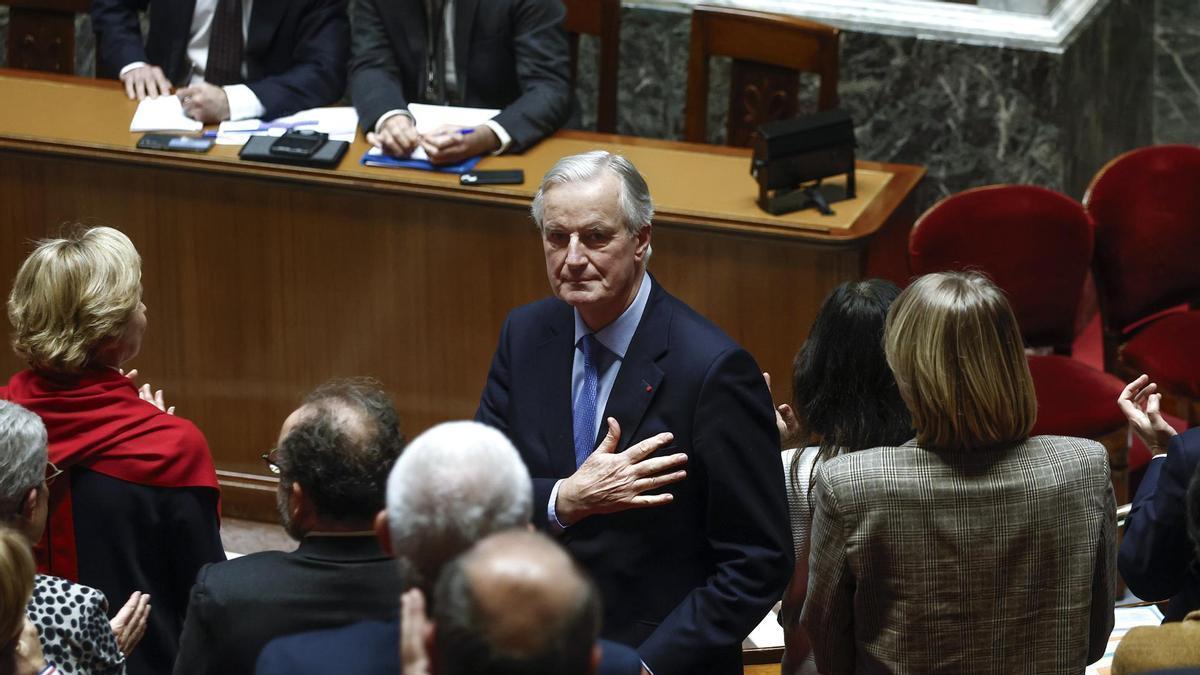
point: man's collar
(617, 335)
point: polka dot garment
(72, 621)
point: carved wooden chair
(601, 18)
(41, 34)
(769, 52)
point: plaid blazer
(995, 561)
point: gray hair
(453, 485)
(22, 454)
(637, 209)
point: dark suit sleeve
(618, 659)
(277, 657)
(493, 411)
(317, 76)
(198, 643)
(118, 34)
(736, 442)
(375, 84)
(543, 67)
(1156, 551)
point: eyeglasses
(52, 472)
(271, 459)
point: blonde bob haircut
(16, 584)
(953, 343)
(71, 295)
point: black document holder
(258, 149)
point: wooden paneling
(262, 282)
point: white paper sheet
(164, 113)
(340, 123)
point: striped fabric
(998, 561)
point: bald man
(516, 603)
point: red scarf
(95, 420)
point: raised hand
(414, 631)
(786, 421)
(129, 625)
(610, 481)
(1140, 401)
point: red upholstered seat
(1035, 244)
(1169, 349)
(1073, 398)
(1146, 206)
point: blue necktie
(585, 405)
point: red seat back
(1034, 243)
(1146, 207)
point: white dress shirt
(243, 104)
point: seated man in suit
(455, 484)
(1157, 559)
(516, 602)
(687, 564)
(506, 54)
(333, 457)
(233, 59)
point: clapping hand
(147, 394)
(610, 481)
(415, 629)
(1140, 401)
(786, 421)
(129, 625)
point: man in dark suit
(455, 484)
(333, 457)
(1157, 559)
(232, 59)
(506, 54)
(686, 578)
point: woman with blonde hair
(137, 510)
(20, 651)
(972, 548)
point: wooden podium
(262, 281)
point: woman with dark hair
(973, 547)
(845, 400)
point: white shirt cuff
(390, 114)
(243, 104)
(556, 527)
(126, 69)
(505, 141)
(647, 668)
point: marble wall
(1177, 72)
(972, 115)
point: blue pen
(209, 134)
(464, 132)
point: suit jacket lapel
(264, 18)
(555, 355)
(639, 378)
(464, 20)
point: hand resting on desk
(204, 102)
(448, 144)
(145, 81)
(397, 137)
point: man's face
(594, 264)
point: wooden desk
(262, 281)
